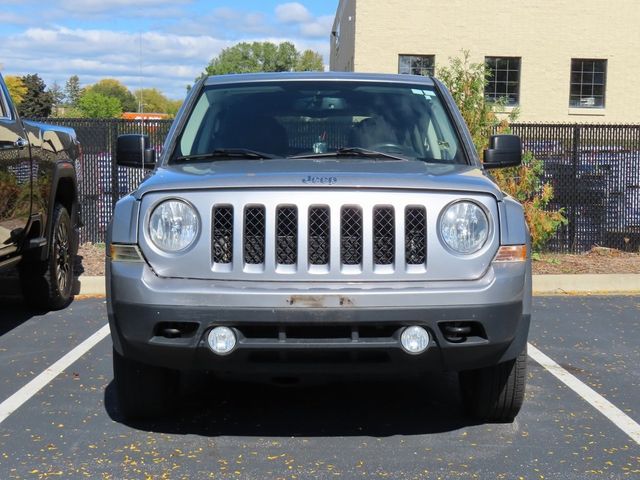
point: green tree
(71, 112)
(37, 101)
(173, 107)
(57, 96)
(17, 88)
(263, 57)
(466, 81)
(310, 61)
(152, 100)
(97, 105)
(72, 91)
(111, 87)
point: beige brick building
(556, 60)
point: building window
(417, 64)
(504, 80)
(588, 80)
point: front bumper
(313, 327)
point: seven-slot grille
(353, 240)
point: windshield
(312, 119)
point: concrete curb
(588, 284)
(542, 284)
(91, 286)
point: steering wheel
(389, 147)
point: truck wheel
(143, 391)
(48, 284)
(495, 393)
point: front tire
(48, 284)
(143, 391)
(495, 393)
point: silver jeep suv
(314, 224)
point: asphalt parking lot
(71, 428)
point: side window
(443, 141)
(189, 140)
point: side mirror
(132, 150)
(503, 151)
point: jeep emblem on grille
(320, 180)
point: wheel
(143, 391)
(48, 284)
(495, 393)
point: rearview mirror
(132, 150)
(503, 151)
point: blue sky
(97, 39)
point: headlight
(464, 227)
(173, 225)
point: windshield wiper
(353, 152)
(226, 154)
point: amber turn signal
(125, 253)
(511, 253)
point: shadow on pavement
(210, 407)
(13, 310)
(14, 314)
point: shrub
(466, 81)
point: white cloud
(293, 12)
(101, 6)
(320, 27)
(175, 49)
(299, 17)
(169, 61)
(12, 19)
(225, 22)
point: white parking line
(597, 401)
(14, 402)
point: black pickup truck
(39, 212)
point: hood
(319, 173)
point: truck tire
(496, 393)
(143, 391)
(48, 284)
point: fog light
(414, 339)
(221, 340)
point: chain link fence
(594, 170)
(101, 182)
(595, 174)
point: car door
(15, 177)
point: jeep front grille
(366, 237)
(331, 235)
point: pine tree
(72, 91)
(37, 101)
